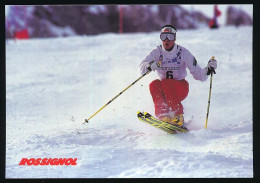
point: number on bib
(169, 75)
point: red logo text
(48, 161)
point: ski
(142, 118)
(174, 127)
(148, 118)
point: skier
(170, 61)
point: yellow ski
(146, 117)
(142, 118)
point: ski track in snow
(53, 84)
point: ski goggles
(169, 36)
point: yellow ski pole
(87, 120)
(211, 75)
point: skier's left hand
(212, 66)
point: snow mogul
(170, 60)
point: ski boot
(177, 120)
(166, 118)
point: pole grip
(212, 69)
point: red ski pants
(167, 95)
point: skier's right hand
(153, 66)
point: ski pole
(87, 120)
(211, 75)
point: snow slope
(54, 84)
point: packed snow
(54, 84)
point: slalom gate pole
(211, 75)
(87, 120)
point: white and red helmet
(168, 32)
(169, 29)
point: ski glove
(153, 66)
(212, 65)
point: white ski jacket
(174, 63)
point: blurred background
(29, 21)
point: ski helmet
(168, 29)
